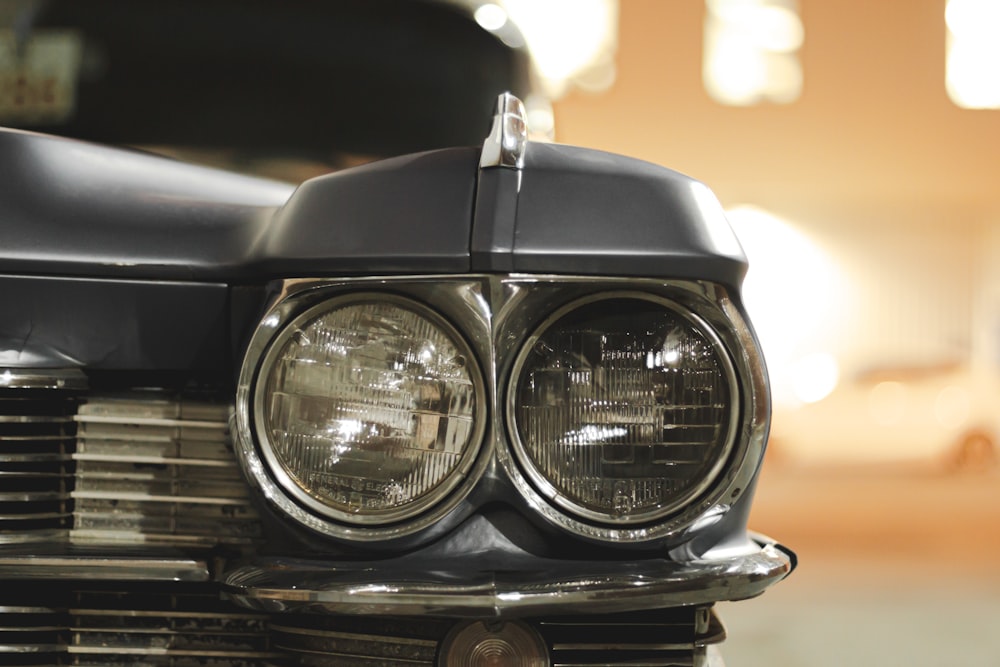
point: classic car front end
(497, 406)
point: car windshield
(284, 88)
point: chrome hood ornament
(504, 147)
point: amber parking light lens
(368, 408)
(622, 408)
(496, 644)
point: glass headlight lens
(368, 408)
(623, 408)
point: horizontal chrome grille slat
(34, 419)
(141, 467)
(28, 497)
(152, 460)
(136, 623)
(150, 498)
(156, 470)
(37, 433)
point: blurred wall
(873, 132)
(900, 187)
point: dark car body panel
(130, 277)
(167, 238)
(134, 215)
(78, 209)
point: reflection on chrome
(505, 145)
(284, 584)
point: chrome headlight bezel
(495, 315)
(546, 487)
(712, 304)
(301, 302)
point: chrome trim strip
(606, 587)
(42, 378)
(508, 138)
(495, 313)
(457, 302)
(711, 304)
(441, 493)
(103, 568)
(544, 487)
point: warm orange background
(898, 563)
(874, 130)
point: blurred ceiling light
(572, 42)
(815, 377)
(491, 17)
(541, 118)
(972, 66)
(793, 293)
(751, 51)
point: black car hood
(76, 209)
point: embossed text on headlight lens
(368, 408)
(623, 408)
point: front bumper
(401, 587)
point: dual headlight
(366, 414)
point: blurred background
(855, 145)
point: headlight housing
(368, 409)
(676, 411)
(622, 408)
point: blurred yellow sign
(38, 75)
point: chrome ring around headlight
(348, 398)
(654, 404)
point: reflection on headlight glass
(370, 408)
(622, 409)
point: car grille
(172, 624)
(183, 625)
(674, 637)
(158, 470)
(87, 478)
(112, 469)
(37, 438)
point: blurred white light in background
(793, 292)
(887, 402)
(815, 377)
(572, 42)
(972, 69)
(491, 17)
(750, 52)
(541, 118)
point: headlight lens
(369, 408)
(622, 408)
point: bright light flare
(569, 40)
(751, 51)
(491, 17)
(815, 376)
(793, 292)
(972, 66)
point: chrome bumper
(396, 588)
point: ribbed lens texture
(623, 407)
(508, 645)
(370, 407)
